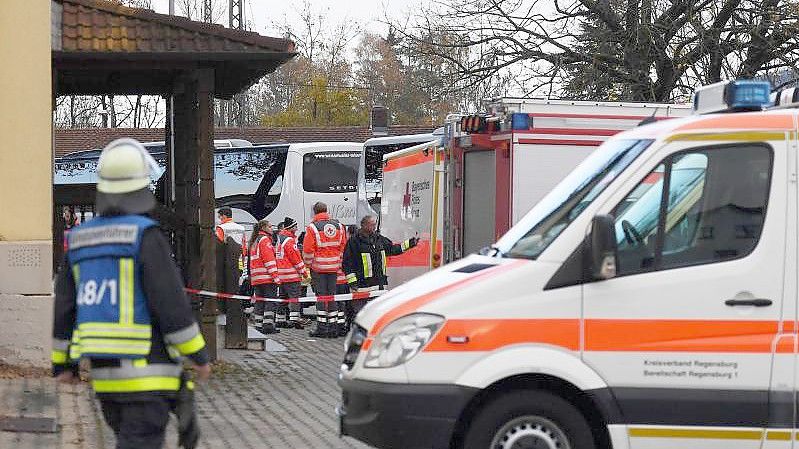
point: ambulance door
(479, 196)
(684, 334)
(407, 211)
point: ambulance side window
(700, 206)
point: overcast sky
(264, 12)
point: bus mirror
(603, 247)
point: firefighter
(291, 271)
(120, 304)
(264, 276)
(322, 249)
(365, 260)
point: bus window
(250, 179)
(331, 171)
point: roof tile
(99, 18)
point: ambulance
(649, 301)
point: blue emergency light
(520, 121)
(730, 96)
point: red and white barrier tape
(330, 298)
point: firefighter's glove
(184, 409)
(413, 241)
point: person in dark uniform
(119, 303)
(365, 259)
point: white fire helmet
(123, 177)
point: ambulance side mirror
(603, 247)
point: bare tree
(194, 9)
(109, 111)
(643, 50)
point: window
(565, 203)
(250, 179)
(701, 206)
(331, 171)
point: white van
(272, 181)
(648, 302)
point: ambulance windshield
(533, 234)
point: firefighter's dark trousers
(137, 424)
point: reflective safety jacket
(120, 304)
(229, 228)
(290, 267)
(365, 258)
(263, 262)
(323, 246)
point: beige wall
(25, 121)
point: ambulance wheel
(529, 420)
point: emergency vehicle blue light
(520, 121)
(738, 95)
(750, 94)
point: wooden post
(193, 130)
(207, 199)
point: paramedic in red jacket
(263, 276)
(322, 250)
(291, 270)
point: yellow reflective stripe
(59, 357)
(153, 383)
(116, 334)
(191, 346)
(126, 292)
(405, 245)
(385, 262)
(114, 330)
(114, 346)
(779, 435)
(76, 274)
(713, 434)
(140, 363)
(92, 325)
(123, 289)
(367, 264)
(352, 278)
(741, 136)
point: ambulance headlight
(401, 340)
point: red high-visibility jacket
(290, 267)
(323, 247)
(263, 263)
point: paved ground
(280, 399)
